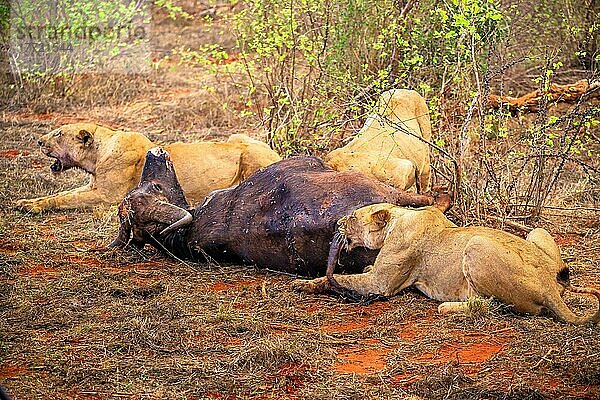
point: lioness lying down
(115, 159)
(422, 248)
(388, 147)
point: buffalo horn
(183, 218)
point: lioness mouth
(57, 166)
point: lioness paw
(30, 205)
(318, 285)
(303, 285)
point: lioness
(422, 248)
(115, 159)
(388, 147)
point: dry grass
(81, 322)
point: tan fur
(422, 248)
(115, 159)
(384, 150)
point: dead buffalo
(283, 217)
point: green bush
(315, 66)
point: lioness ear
(85, 137)
(381, 218)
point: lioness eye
(57, 134)
(156, 187)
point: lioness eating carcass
(388, 147)
(115, 159)
(282, 217)
(422, 248)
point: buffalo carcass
(283, 217)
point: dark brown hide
(283, 217)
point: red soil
(377, 308)
(351, 326)
(565, 239)
(88, 262)
(468, 348)
(8, 246)
(39, 270)
(313, 308)
(234, 341)
(292, 373)
(138, 267)
(216, 395)
(13, 153)
(11, 371)
(408, 332)
(469, 353)
(365, 359)
(360, 360)
(240, 285)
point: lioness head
(71, 146)
(366, 226)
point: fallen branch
(531, 102)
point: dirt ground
(78, 321)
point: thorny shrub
(315, 67)
(312, 70)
